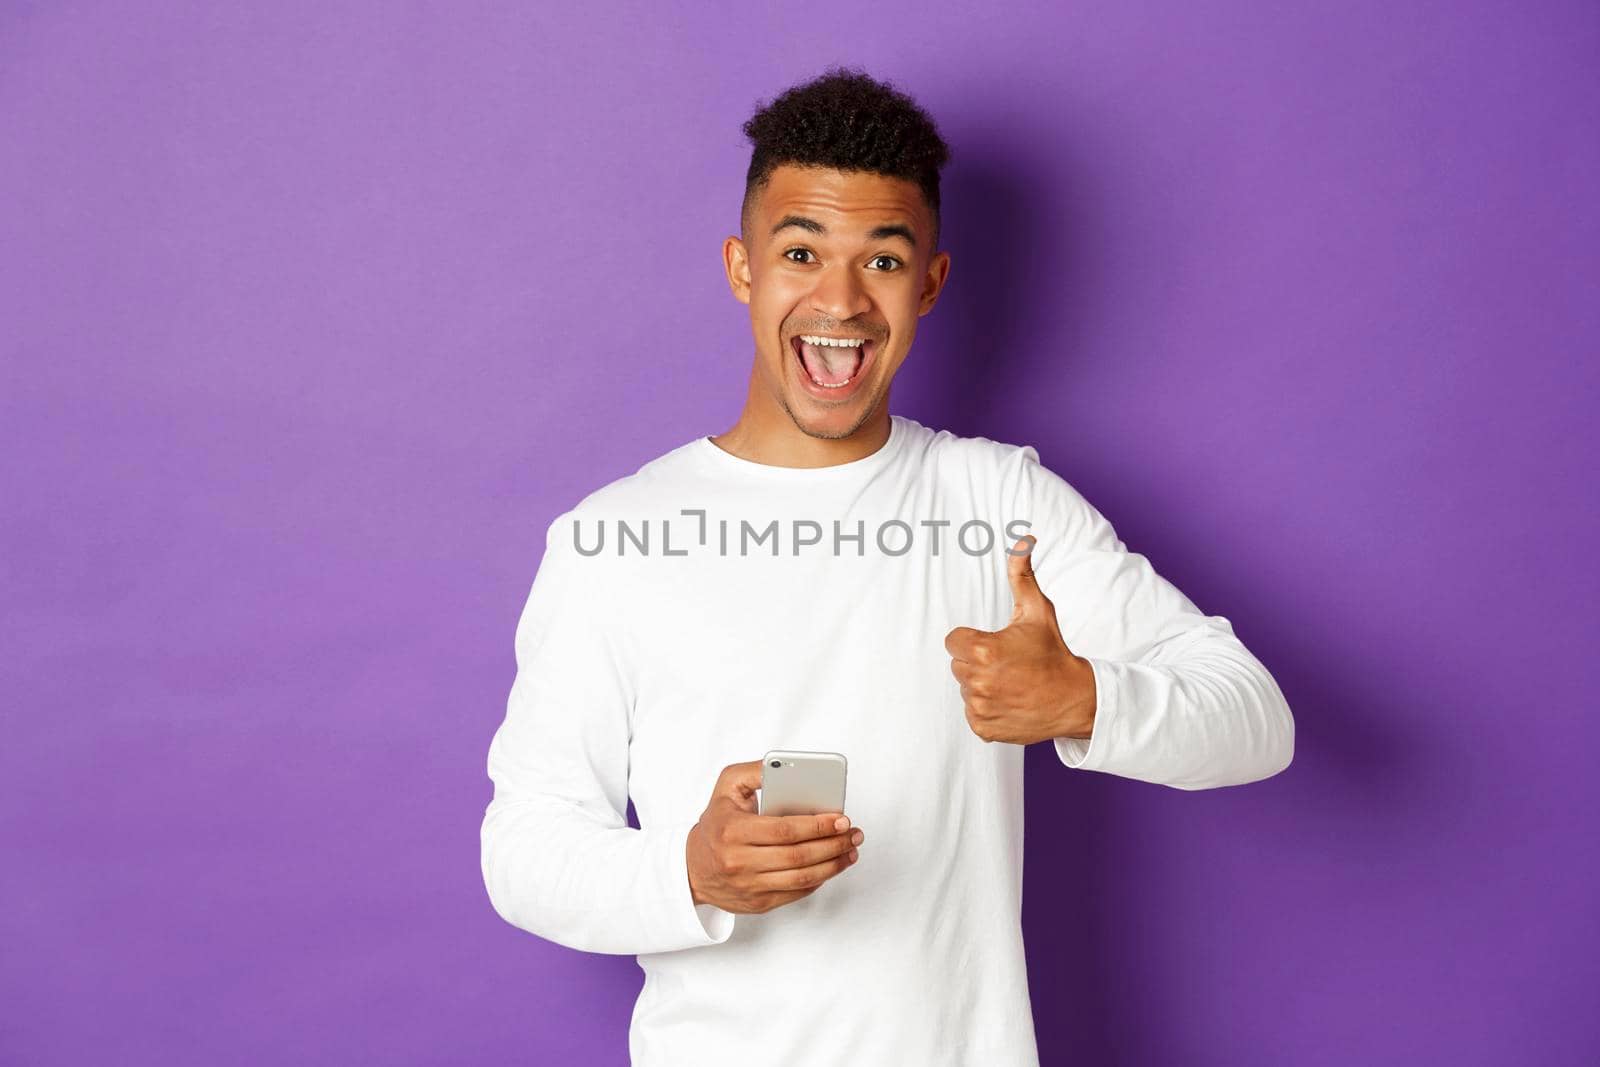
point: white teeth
(834, 342)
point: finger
(739, 782)
(1026, 597)
(737, 776)
(977, 721)
(804, 854)
(962, 641)
(808, 877)
(773, 901)
(789, 829)
(964, 671)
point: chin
(840, 423)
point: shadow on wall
(1016, 275)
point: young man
(827, 577)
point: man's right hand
(744, 862)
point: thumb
(1027, 599)
(739, 782)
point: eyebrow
(811, 225)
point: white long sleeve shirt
(735, 607)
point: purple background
(312, 320)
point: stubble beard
(824, 435)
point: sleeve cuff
(1089, 753)
(700, 924)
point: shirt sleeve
(1180, 701)
(559, 859)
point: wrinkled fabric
(647, 666)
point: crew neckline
(716, 454)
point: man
(819, 578)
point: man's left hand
(1023, 684)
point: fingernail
(857, 837)
(853, 855)
(841, 823)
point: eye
(891, 259)
(802, 251)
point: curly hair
(847, 121)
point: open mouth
(831, 362)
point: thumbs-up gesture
(1023, 684)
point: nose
(839, 293)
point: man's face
(839, 255)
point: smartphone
(801, 783)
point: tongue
(828, 364)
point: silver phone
(801, 783)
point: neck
(766, 434)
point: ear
(933, 281)
(736, 262)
